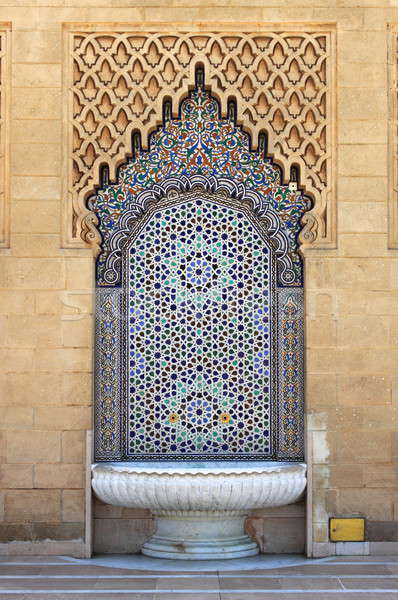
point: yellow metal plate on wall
(347, 530)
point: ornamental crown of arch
(198, 150)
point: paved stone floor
(56, 578)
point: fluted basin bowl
(199, 507)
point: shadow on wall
(120, 530)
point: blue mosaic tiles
(200, 287)
(199, 334)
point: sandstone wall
(46, 291)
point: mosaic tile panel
(291, 372)
(108, 369)
(200, 281)
(199, 299)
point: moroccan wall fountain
(199, 334)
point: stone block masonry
(46, 289)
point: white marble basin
(199, 507)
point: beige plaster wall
(46, 300)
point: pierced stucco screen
(199, 299)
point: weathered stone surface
(40, 531)
(33, 446)
(72, 506)
(382, 531)
(25, 506)
(121, 536)
(284, 536)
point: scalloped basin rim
(200, 467)
(200, 506)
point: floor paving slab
(368, 559)
(187, 596)
(47, 584)
(94, 570)
(33, 559)
(279, 583)
(307, 596)
(124, 584)
(77, 596)
(17, 571)
(332, 569)
(348, 578)
(193, 583)
(372, 583)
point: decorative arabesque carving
(4, 138)
(393, 140)
(281, 81)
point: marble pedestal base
(202, 535)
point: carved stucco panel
(282, 80)
(393, 138)
(5, 81)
